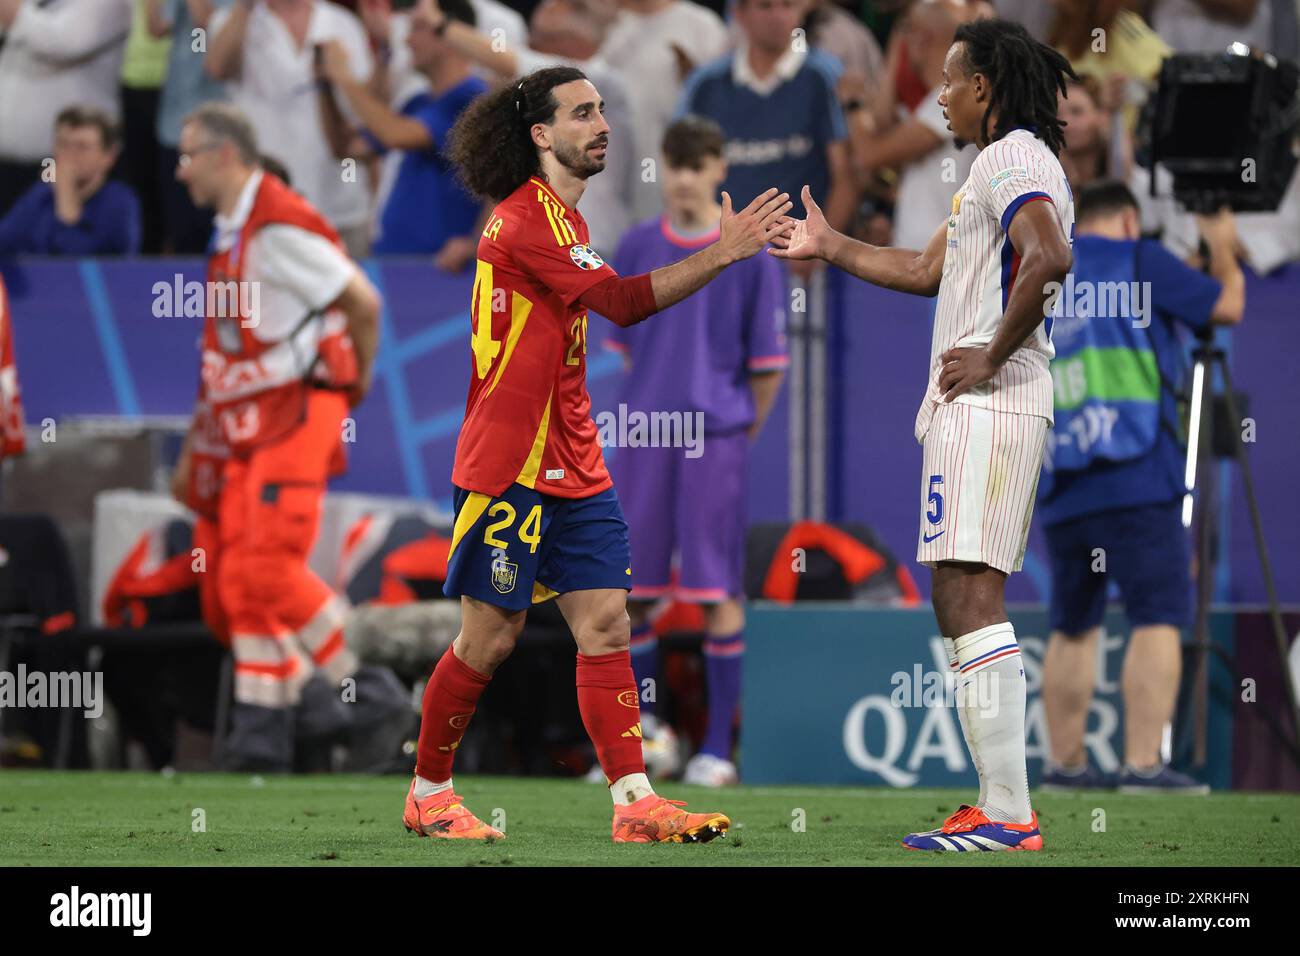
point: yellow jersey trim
(528, 475)
(520, 309)
(469, 514)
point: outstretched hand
(764, 220)
(808, 238)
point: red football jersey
(528, 414)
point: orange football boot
(653, 819)
(443, 816)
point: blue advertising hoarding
(856, 695)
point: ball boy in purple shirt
(703, 377)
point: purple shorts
(690, 509)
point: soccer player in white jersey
(984, 419)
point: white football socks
(991, 696)
(427, 788)
(630, 788)
(961, 716)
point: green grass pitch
(133, 819)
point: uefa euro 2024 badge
(585, 257)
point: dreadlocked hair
(1025, 76)
(491, 145)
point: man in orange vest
(12, 438)
(288, 346)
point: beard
(576, 160)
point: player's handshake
(808, 238)
(763, 221)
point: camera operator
(1113, 478)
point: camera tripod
(1208, 357)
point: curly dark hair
(1026, 76)
(490, 144)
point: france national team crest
(585, 257)
(504, 574)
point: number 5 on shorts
(935, 514)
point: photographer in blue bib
(1113, 478)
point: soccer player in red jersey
(536, 513)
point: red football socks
(449, 701)
(611, 712)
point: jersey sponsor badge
(1011, 172)
(585, 257)
(554, 474)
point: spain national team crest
(585, 257)
(504, 575)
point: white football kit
(982, 451)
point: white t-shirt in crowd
(639, 47)
(1270, 239)
(926, 186)
(494, 20)
(58, 54)
(276, 88)
(1187, 29)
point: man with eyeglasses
(289, 342)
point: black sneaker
(1161, 779)
(1087, 777)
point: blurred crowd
(352, 101)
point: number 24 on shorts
(530, 532)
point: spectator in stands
(144, 69)
(55, 54)
(1269, 240)
(655, 45)
(266, 50)
(79, 211)
(1096, 144)
(1034, 15)
(186, 228)
(1210, 26)
(388, 29)
(428, 211)
(569, 33)
(919, 144)
(777, 105)
(1113, 45)
(1114, 494)
(843, 35)
(398, 81)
